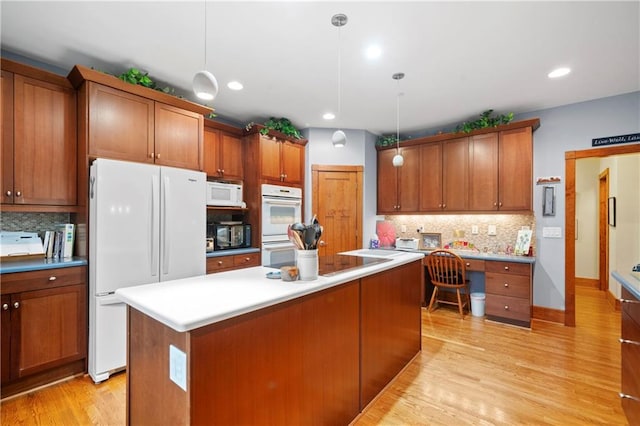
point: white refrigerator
(146, 224)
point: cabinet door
(431, 177)
(178, 137)
(45, 143)
(48, 328)
(120, 125)
(6, 144)
(455, 172)
(292, 162)
(483, 172)
(5, 313)
(409, 180)
(270, 159)
(387, 182)
(515, 174)
(211, 153)
(231, 153)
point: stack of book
(59, 242)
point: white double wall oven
(281, 207)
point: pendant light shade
(398, 159)
(339, 139)
(205, 85)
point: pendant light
(205, 85)
(398, 160)
(339, 138)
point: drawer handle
(52, 278)
(628, 301)
(247, 259)
(625, 396)
(5, 306)
(467, 264)
(506, 307)
(506, 268)
(219, 262)
(630, 342)
(506, 284)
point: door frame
(570, 158)
(603, 230)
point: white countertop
(190, 303)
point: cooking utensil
(309, 238)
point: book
(67, 237)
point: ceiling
(460, 58)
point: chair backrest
(446, 268)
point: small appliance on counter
(229, 235)
(406, 244)
(20, 245)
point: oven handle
(278, 246)
(283, 202)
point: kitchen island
(238, 348)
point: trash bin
(477, 304)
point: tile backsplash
(507, 227)
(31, 222)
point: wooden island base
(318, 359)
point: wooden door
(178, 137)
(270, 159)
(292, 163)
(48, 329)
(431, 177)
(231, 156)
(5, 317)
(211, 153)
(409, 180)
(337, 201)
(120, 125)
(45, 143)
(515, 169)
(6, 143)
(455, 172)
(483, 172)
(387, 182)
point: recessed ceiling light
(373, 52)
(559, 72)
(235, 85)
(328, 116)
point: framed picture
(430, 241)
(548, 201)
(612, 211)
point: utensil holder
(307, 262)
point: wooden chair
(447, 271)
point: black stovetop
(333, 264)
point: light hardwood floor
(470, 371)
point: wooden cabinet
(124, 126)
(39, 144)
(236, 261)
(508, 292)
(398, 187)
(281, 161)
(489, 170)
(630, 356)
(44, 326)
(222, 154)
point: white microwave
(224, 194)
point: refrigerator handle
(165, 224)
(153, 226)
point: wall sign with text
(612, 140)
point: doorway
(570, 220)
(337, 202)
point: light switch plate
(178, 367)
(491, 230)
(552, 232)
(474, 229)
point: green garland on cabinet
(485, 120)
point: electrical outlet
(474, 230)
(491, 230)
(178, 367)
(403, 228)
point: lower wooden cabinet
(508, 292)
(237, 261)
(630, 352)
(44, 327)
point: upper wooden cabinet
(398, 187)
(135, 123)
(39, 145)
(222, 151)
(488, 170)
(281, 161)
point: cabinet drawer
(631, 306)
(217, 264)
(474, 265)
(508, 267)
(508, 307)
(508, 285)
(46, 278)
(246, 260)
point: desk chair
(447, 271)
